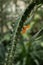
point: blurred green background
(29, 47)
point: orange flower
(25, 28)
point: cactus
(16, 33)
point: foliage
(17, 48)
